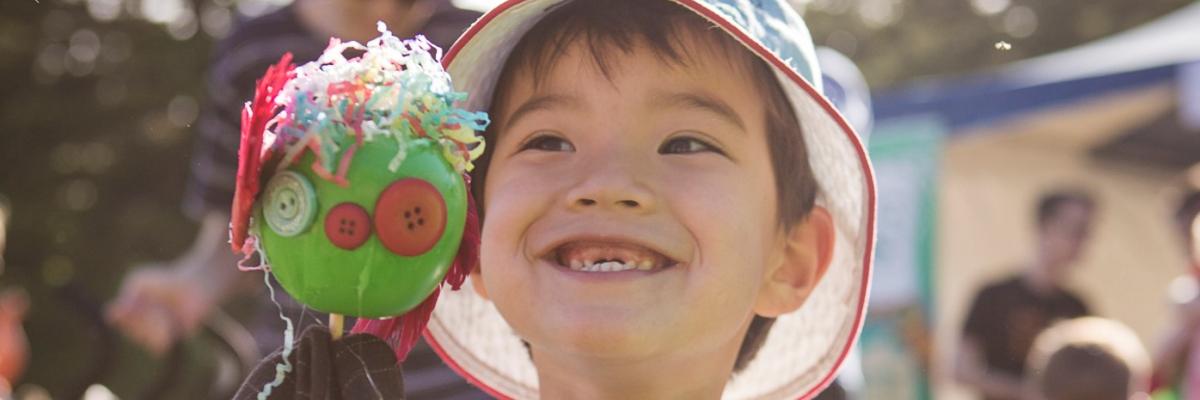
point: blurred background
(980, 106)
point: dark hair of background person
(1085, 372)
(1188, 208)
(1051, 203)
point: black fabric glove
(354, 367)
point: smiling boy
(665, 187)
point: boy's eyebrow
(542, 102)
(699, 101)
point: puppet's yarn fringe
(401, 333)
(468, 250)
(257, 117)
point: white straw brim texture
(804, 348)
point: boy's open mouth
(597, 256)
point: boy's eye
(686, 145)
(547, 142)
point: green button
(289, 204)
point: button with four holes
(347, 226)
(410, 217)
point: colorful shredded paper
(394, 90)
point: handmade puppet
(352, 187)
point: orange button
(410, 217)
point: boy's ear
(477, 282)
(806, 254)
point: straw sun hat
(804, 349)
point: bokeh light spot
(85, 45)
(216, 20)
(105, 10)
(182, 111)
(1020, 22)
(78, 195)
(990, 7)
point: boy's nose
(611, 187)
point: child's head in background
(1088, 358)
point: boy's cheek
(529, 182)
(512, 206)
(477, 283)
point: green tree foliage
(95, 117)
(894, 41)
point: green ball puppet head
(351, 181)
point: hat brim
(803, 349)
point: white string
(281, 369)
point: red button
(347, 226)
(410, 217)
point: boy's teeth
(608, 257)
(608, 266)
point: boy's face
(663, 168)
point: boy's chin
(601, 341)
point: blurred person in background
(1008, 314)
(161, 303)
(1177, 358)
(1088, 358)
(14, 348)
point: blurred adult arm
(971, 370)
(160, 303)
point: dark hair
(1085, 371)
(1051, 203)
(1189, 206)
(1087, 358)
(612, 28)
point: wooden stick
(336, 322)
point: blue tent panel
(1145, 55)
(964, 104)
